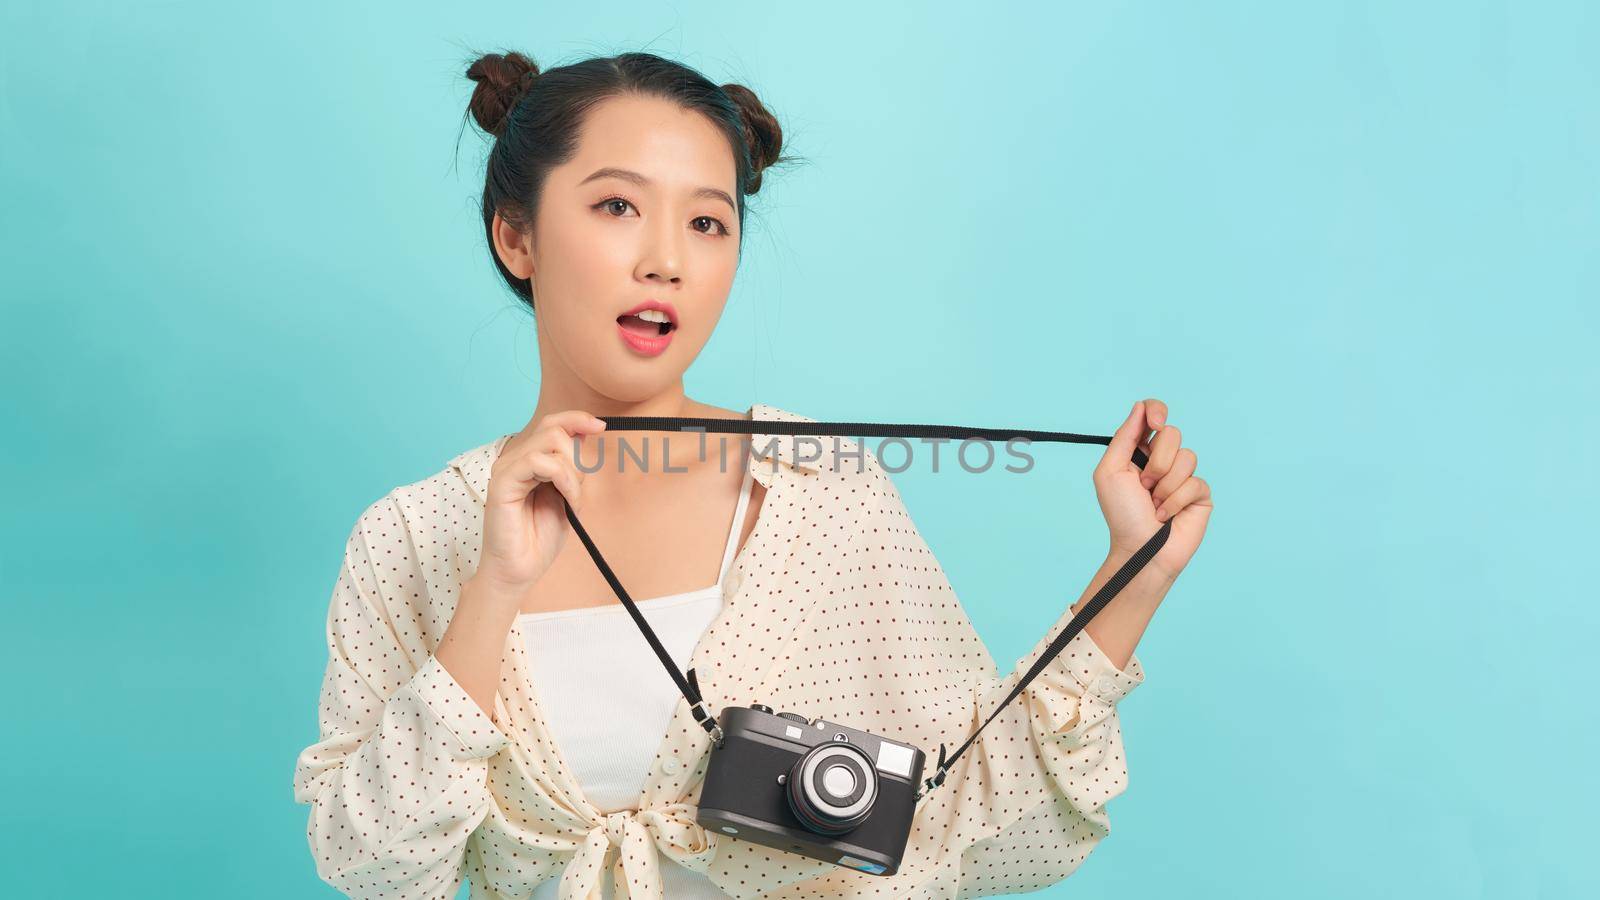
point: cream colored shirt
(834, 607)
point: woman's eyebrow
(636, 178)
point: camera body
(811, 787)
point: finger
(552, 468)
(1182, 467)
(570, 419)
(564, 439)
(1162, 451)
(567, 424)
(1156, 412)
(1120, 451)
(515, 477)
(1193, 490)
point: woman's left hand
(1136, 501)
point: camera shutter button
(795, 716)
(761, 707)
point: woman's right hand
(524, 522)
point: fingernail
(1161, 514)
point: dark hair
(534, 118)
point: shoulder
(836, 472)
(431, 522)
(409, 550)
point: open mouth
(648, 328)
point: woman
(490, 711)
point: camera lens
(831, 787)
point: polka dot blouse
(834, 607)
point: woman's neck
(669, 403)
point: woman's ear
(513, 247)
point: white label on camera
(792, 730)
(895, 759)
(863, 865)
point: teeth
(654, 315)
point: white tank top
(607, 700)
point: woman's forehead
(666, 146)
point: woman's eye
(610, 202)
(717, 221)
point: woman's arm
(1024, 805)
(1056, 753)
(474, 641)
(1119, 625)
(398, 779)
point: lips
(636, 325)
(644, 337)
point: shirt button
(1104, 684)
(670, 765)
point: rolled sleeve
(1095, 671)
(455, 709)
(1079, 688)
(397, 778)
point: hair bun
(761, 132)
(502, 80)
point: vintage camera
(813, 787)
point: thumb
(1119, 452)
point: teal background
(1352, 245)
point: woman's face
(603, 244)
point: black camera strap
(691, 689)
